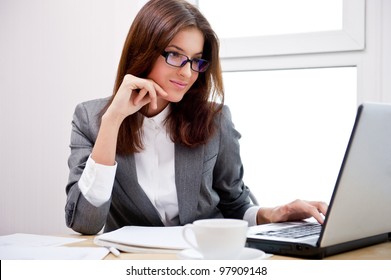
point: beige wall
(53, 54)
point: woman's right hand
(133, 94)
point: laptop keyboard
(298, 231)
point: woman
(163, 150)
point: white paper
(22, 246)
(33, 240)
(145, 239)
(52, 253)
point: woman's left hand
(293, 211)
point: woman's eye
(174, 54)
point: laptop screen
(361, 202)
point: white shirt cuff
(251, 215)
(96, 182)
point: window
(277, 17)
(318, 23)
(295, 126)
(292, 88)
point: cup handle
(185, 230)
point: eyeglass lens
(179, 60)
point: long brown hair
(191, 121)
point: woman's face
(176, 81)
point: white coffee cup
(217, 238)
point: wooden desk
(376, 252)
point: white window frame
(372, 58)
(351, 37)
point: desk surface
(376, 252)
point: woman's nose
(186, 70)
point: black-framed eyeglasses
(179, 60)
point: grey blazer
(208, 179)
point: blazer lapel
(127, 177)
(188, 175)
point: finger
(144, 101)
(318, 210)
(160, 91)
(321, 206)
(139, 96)
(153, 97)
(318, 216)
(148, 89)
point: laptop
(359, 212)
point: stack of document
(137, 239)
(22, 246)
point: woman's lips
(179, 84)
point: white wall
(53, 55)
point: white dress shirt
(155, 166)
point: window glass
(295, 125)
(230, 18)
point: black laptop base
(308, 251)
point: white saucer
(246, 254)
